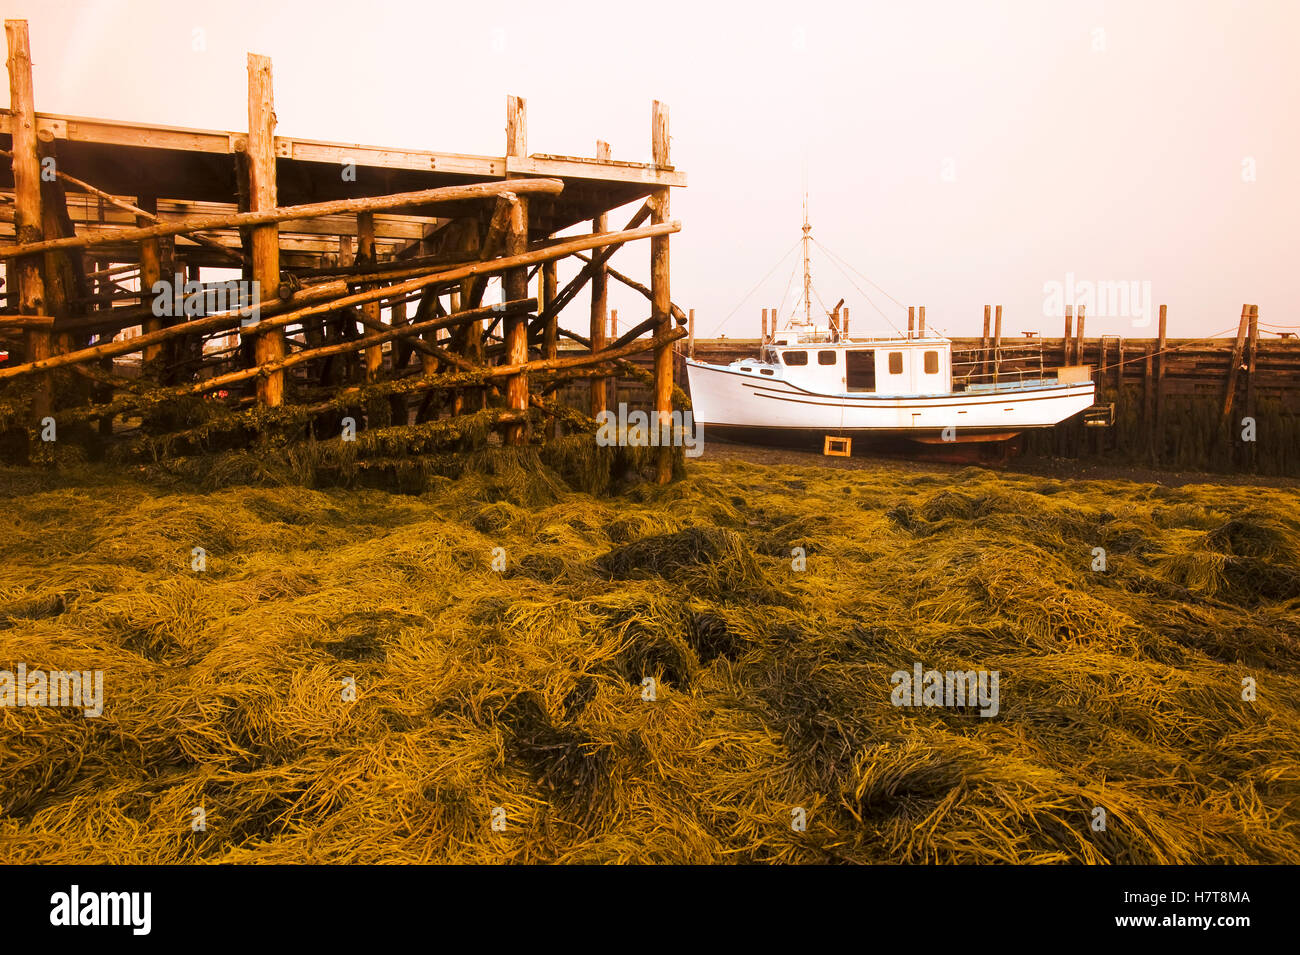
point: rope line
(754, 289)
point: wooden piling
(515, 281)
(269, 345)
(844, 317)
(1080, 343)
(374, 355)
(984, 342)
(997, 341)
(547, 289)
(661, 301)
(1252, 354)
(27, 209)
(1162, 344)
(599, 304)
(920, 325)
(1234, 366)
(911, 320)
(516, 326)
(150, 272)
(1149, 400)
(764, 338)
(1067, 339)
(690, 326)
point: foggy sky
(957, 154)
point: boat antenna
(807, 273)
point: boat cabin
(885, 366)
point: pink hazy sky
(956, 153)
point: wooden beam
(230, 319)
(661, 298)
(633, 284)
(599, 260)
(235, 220)
(133, 209)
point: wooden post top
(659, 134)
(517, 127)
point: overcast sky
(955, 153)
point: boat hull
(743, 405)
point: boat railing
(1003, 366)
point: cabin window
(826, 357)
(860, 370)
(895, 362)
(795, 357)
(766, 371)
(932, 363)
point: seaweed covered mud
(501, 668)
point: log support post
(1158, 442)
(151, 271)
(997, 342)
(1079, 341)
(515, 281)
(27, 209)
(599, 304)
(269, 345)
(1252, 356)
(1068, 338)
(1234, 367)
(374, 355)
(984, 342)
(547, 289)
(660, 296)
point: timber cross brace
(363, 281)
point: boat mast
(807, 274)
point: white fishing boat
(810, 381)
